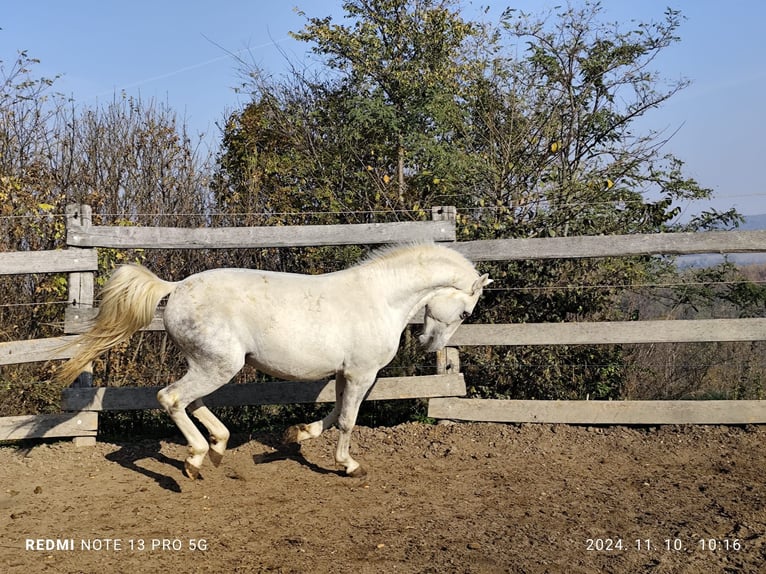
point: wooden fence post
(448, 358)
(80, 284)
(81, 296)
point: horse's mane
(427, 248)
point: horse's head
(446, 310)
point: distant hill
(751, 223)
(754, 222)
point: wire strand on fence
(533, 289)
(410, 212)
(33, 304)
(628, 286)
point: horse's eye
(464, 315)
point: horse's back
(233, 296)
(243, 289)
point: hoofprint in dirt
(456, 498)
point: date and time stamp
(609, 545)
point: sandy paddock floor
(452, 498)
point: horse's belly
(294, 363)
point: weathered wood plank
(519, 334)
(78, 320)
(614, 245)
(599, 412)
(288, 392)
(592, 333)
(49, 426)
(255, 237)
(34, 350)
(55, 261)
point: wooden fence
(82, 403)
(443, 388)
(79, 263)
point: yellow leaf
(46, 206)
(555, 146)
(609, 184)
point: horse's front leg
(298, 433)
(355, 392)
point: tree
(27, 107)
(129, 160)
(128, 157)
(401, 70)
(380, 130)
(556, 128)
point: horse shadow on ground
(286, 451)
(129, 456)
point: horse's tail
(128, 301)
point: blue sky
(176, 52)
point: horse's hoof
(215, 457)
(291, 435)
(358, 472)
(191, 470)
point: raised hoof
(291, 434)
(191, 470)
(215, 457)
(358, 472)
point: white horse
(291, 326)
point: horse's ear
(482, 281)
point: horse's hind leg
(200, 381)
(219, 434)
(298, 433)
(174, 404)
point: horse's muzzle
(431, 341)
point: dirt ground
(445, 498)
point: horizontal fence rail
(80, 424)
(568, 333)
(54, 261)
(259, 237)
(580, 247)
(36, 350)
(607, 333)
(600, 412)
(266, 393)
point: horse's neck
(409, 287)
